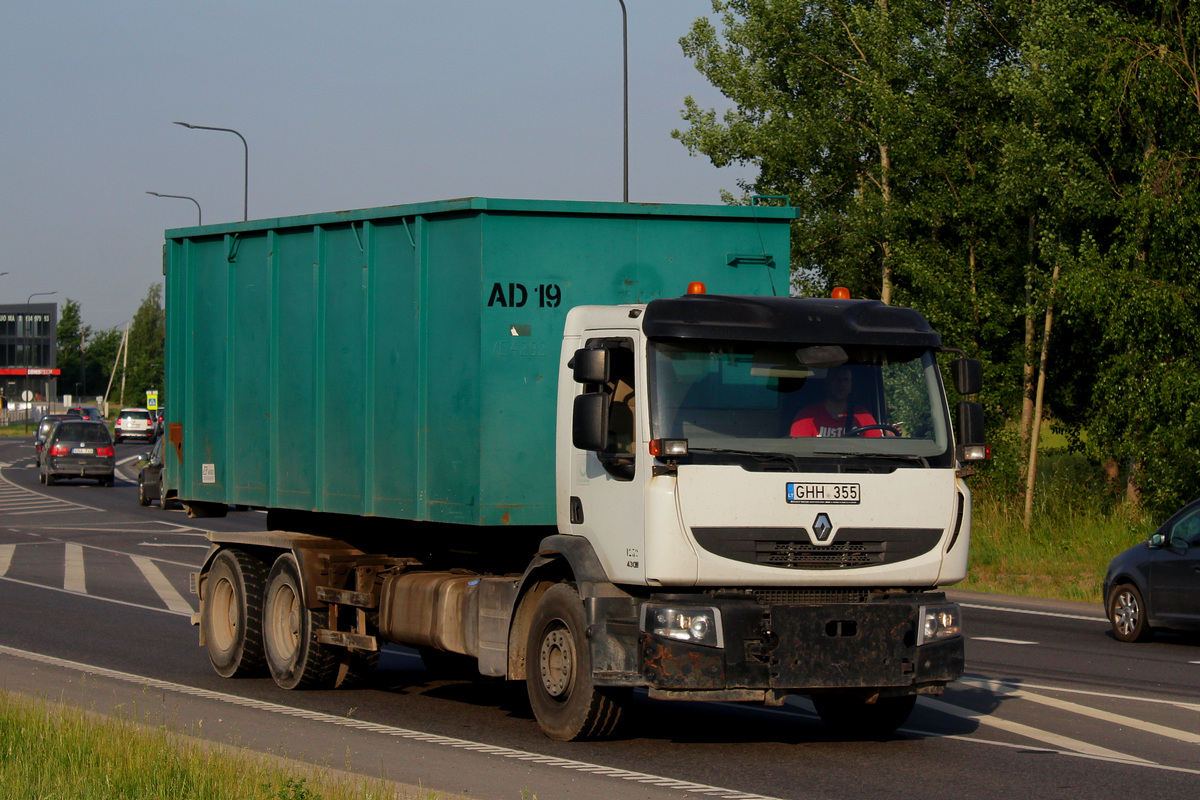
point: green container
(402, 361)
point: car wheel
(109, 480)
(142, 499)
(1127, 613)
(49, 479)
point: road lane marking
(1030, 732)
(43, 504)
(1058, 614)
(174, 600)
(1008, 689)
(73, 577)
(389, 730)
(1001, 641)
(1092, 693)
(6, 554)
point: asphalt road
(97, 606)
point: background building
(28, 350)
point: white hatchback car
(134, 423)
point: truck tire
(1127, 613)
(850, 716)
(231, 614)
(566, 703)
(294, 656)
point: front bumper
(775, 650)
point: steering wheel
(892, 429)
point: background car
(134, 423)
(87, 412)
(150, 469)
(45, 425)
(1156, 584)
(78, 448)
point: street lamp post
(199, 213)
(625, 62)
(246, 162)
(29, 346)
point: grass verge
(52, 751)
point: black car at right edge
(1156, 584)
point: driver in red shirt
(828, 417)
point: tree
(72, 337)
(147, 340)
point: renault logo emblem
(822, 527)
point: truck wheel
(1127, 613)
(295, 657)
(848, 715)
(231, 614)
(566, 703)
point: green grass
(54, 752)
(1078, 525)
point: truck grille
(790, 548)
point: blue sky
(344, 105)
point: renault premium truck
(594, 447)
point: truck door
(608, 484)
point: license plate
(83, 451)
(824, 493)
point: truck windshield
(799, 402)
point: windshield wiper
(890, 456)
(757, 455)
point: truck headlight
(692, 624)
(938, 623)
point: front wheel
(566, 703)
(143, 500)
(1127, 613)
(851, 716)
(295, 657)
(231, 614)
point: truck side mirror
(971, 443)
(589, 421)
(968, 375)
(590, 366)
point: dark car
(1156, 584)
(150, 478)
(43, 430)
(78, 448)
(87, 412)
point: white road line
(1001, 641)
(6, 554)
(1029, 732)
(1059, 615)
(73, 578)
(160, 584)
(33, 585)
(1010, 690)
(388, 730)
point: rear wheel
(142, 499)
(50, 479)
(851, 716)
(231, 614)
(568, 706)
(1127, 613)
(295, 657)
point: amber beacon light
(840, 293)
(696, 287)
